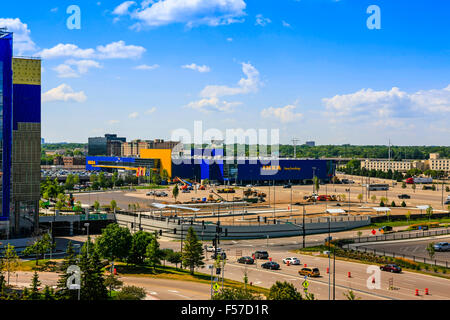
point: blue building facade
(6, 87)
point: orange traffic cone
(417, 292)
(349, 275)
(373, 280)
(426, 291)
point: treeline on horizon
(320, 151)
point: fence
(401, 235)
(398, 255)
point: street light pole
(87, 243)
(303, 227)
(329, 260)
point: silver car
(442, 246)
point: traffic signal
(226, 232)
(175, 231)
(218, 270)
(214, 242)
(160, 232)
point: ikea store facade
(216, 168)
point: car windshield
(315, 269)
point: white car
(292, 260)
(212, 249)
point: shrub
(403, 204)
(131, 293)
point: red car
(391, 268)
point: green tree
(360, 197)
(350, 295)
(10, 261)
(175, 192)
(429, 212)
(34, 290)
(131, 293)
(373, 198)
(113, 205)
(175, 258)
(114, 242)
(316, 184)
(63, 293)
(93, 286)
(113, 283)
(408, 215)
(48, 294)
(430, 249)
(236, 294)
(404, 185)
(96, 205)
(403, 204)
(165, 255)
(139, 243)
(40, 247)
(284, 291)
(153, 253)
(192, 255)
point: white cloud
(22, 38)
(123, 8)
(67, 50)
(63, 93)
(151, 110)
(246, 85)
(285, 114)
(188, 12)
(133, 115)
(285, 24)
(66, 71)
(119, 50)
(54, 10)
(374, 105)
(261, 21)
(147, 67)
(114, 50)
(230, 39)
(213, 104)
(198, 68)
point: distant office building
(103, 146)
(134, 148)
(20, 105)
(311, 143)
(436, 163)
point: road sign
(305, 284)
(373, 231)
(216, 287)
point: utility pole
(334, 273)
(329, 260)
(274, 191)
(294, 142)
(303, 226)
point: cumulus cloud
(210, 94)
(151, 110)
(66, 70)
(188, 12)
(196, 67)
(391, 103)
(63, 93)
(22, 38)
(261, 21)
(114, 50)
(123, 8)
(251, 83)
(147, 67)
(213, 104)
(133, 115)
(284, 114)
(285, 24)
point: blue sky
(310, 68)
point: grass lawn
(402, 223)
(173, 273)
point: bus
(378, 187)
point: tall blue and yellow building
(20, 114)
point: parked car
(287, 186)
(310, 272)
(391, 268)
(221, 255)
(271, 265)
(292, 260)
(211, 248)
(246, 260)
(447, 202)
(386, 229)
(261, 255)
(404, 196)
(442, 246)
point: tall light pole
(329, 260)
